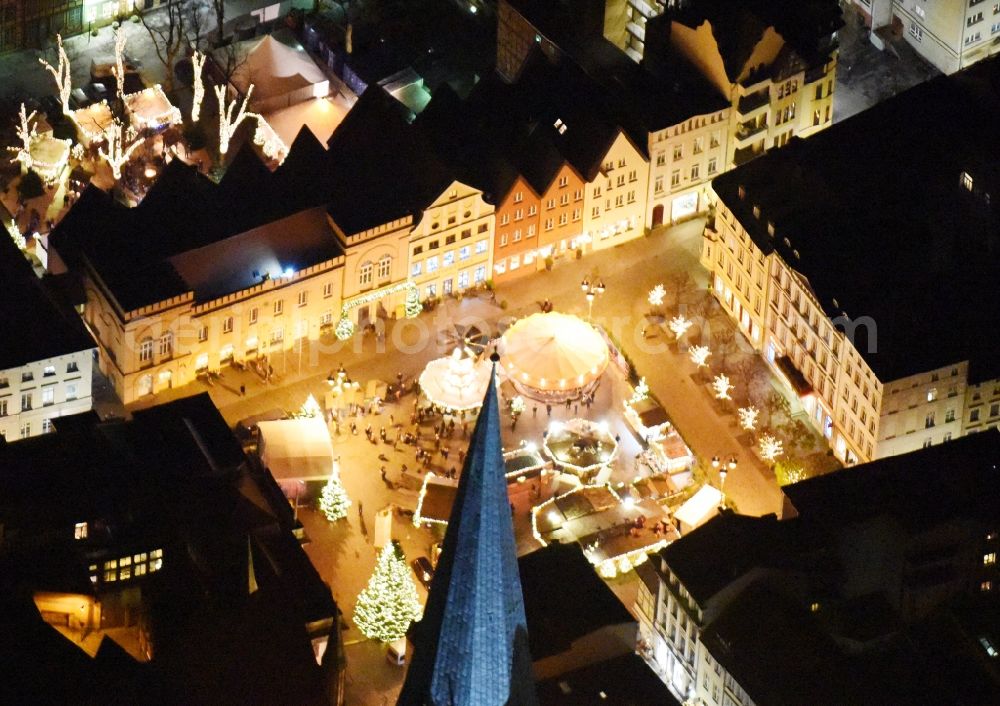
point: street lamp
(591, 290)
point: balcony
(749, 103)
(644, 8)
(744, 155)
(636, 31)
(745, 131)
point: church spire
(471, 646)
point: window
(279, 305)
(3, 408)
(227, 324)
(277, 335)
(517, 235)
(675, 177)
(678, 152)
(483, 227)
(155, 560)
(994, 410)
(25, 401)
(431, 290)
(48, 395)
(464, 252)
(994, 28)
(463, 279)
(986, 586)
(989, 559)
(519, 213)
(432, 264)
(365, 273)
(416, 269)
(548, 224)
(481, 247)
(661, 159)
(503, 240)
(973, 19)
(694, 171)
(929, 420)
(326, 318)
(974, 415)
(505, 219)
(480, 274)
(966, 180)
(303, 298)
(253, 315)
(949, 416)
(27, 377)
(48, 371)
(202, 334)
(327, 290)
(519, 197)
(712, 165)
(25, 430)
(658, 184)
(448, 258)
(80, 530)
(146, 350)
(385, 266)
(972, 38)
(563, 181)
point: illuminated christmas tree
(389, 602)
(333, 501)
(413, 305)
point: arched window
(365, 275)
(384, 267)
(167, 344)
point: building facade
(451, 246)
(516, 241)
(950, 35)
(684, 158)
(613, 208)
(32, 395)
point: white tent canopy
(699, 509)
(281, 75)
(456, 383)
(553, 352)
(297, 449)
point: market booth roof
(553, 351)
(297, 449)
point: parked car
(96, 92)
(423, 569)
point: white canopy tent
(456, 383)
(281, 75)
(297, 449)
(699, 509)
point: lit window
(202, 334)
(448, 258)
(146, 350)
(227, 324)
(49, 370)
(464, 252)
(167, 344)
(481, 247)
(989, 559)
(986, 586)
(80, 530)
(416, 269)
(384, 267)
(365, 273)
(967, 180)
(277, 334)
(48, 395)
(303, 298)
(432, 264)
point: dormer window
(560, 126)
(966, 181)
(80, 530)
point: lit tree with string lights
(197, 63)
(389, 602)
(334, 501)
(61, 74)
(722, 386)
(121, 144)
(699, 355)
(748, 417)
(26, 134)
(679, 325)
(118, 70)
(228, 123)
(770, 447)
(656, 296)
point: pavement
(866, 75)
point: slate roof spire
(471, 646)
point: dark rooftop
(565, 599)
(903, 486)
(736, 544)
(886, 230)
(623, 681)
(24, 304)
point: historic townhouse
(516, 240)
(47, 357)
(848, 310)
(950, 35)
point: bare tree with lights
(197, 64)
(679, 325)
(748, 417)
(26, 134)
(118, 70)
(227, 122)
(656, 296)
(121, 144)
(721, 386)
(770, 447)
(699, 355)
(62, 74)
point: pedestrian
(402, 469)
(382, 471)
(453, 472)
(243, 390)
(548, 410)
(567, 404)
(354, 428)
(576, 409)
(461, 455)
(534, 410)
(444, 452)
(392, 419)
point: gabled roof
(471, 646)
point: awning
(795, 378)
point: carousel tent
(296, 449)
(281, 75)
(456, 383)
(553, 355)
